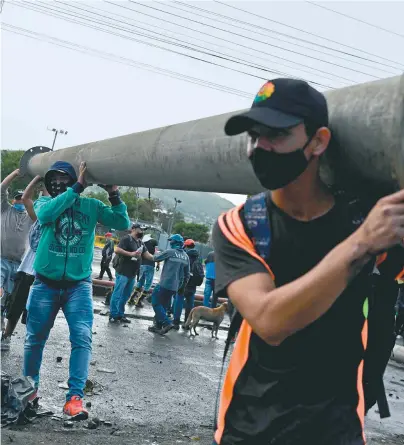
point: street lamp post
(56, 131)
(177, 201)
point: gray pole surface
(367, 121)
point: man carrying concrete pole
(298, 263)
(63, 273)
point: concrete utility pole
(366, 121)
(56, 135)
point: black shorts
(19, 295)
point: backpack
(116, 261)
(108, 249)
(197, 272)
(380, 344)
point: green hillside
(199, 205)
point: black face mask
(139, 235)
(275, 170)
(56, 188)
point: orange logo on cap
(265, 92)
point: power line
(224, 57)
(140, 41)
(356, 19)
(38, 5)
(254, 40)
(306, 32)
(208, 42)
(123, 60)
(270, 31)
(225, 40)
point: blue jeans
(43, 305)
(146, 277)
(209, 289)
(189, 296)
(161, 298)
(122, 290)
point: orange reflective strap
(400, 276)
(381, 258)
(360, 409)
(237, 236)
(232, 228)
(237, 362)
(236, 226)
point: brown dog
(208, 314)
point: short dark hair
(311, 128)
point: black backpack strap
(358, 209)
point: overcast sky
(44, 85)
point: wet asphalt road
(162, 391)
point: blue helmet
(176, 241)
(177, 238)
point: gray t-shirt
(15, 226)
(176, 268)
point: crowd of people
(313, 272)
(46, 265)
(181, 274)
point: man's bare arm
(148, 256)
(276, 313)
(9, 179)
(27, 197)
(4, 186)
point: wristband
(115, 198)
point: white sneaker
(5, 343)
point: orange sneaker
(74, 409)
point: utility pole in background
(56, 134)
(177, 201)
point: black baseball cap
(282, 103)
(136, 226)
